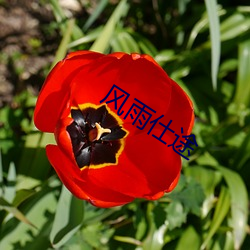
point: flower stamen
(96, 133)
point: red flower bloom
(101, 155)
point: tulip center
(97, 136)
(96, 133)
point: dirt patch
(25, 50)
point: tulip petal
(55, 91)
(140, 78)
(146, 169)
(159, 163)
(124, 177)
(79, 183)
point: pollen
(96, 133)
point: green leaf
(103, 40)
(208, 179)
(62, 20)
(140, 224)
(96, 234)
(27, 182)
(68, 218)
(165, 56)
(10, 189)
(182, 5)
(62, 50)
(115, 45)
(14, 211)
(145, 45)
(155, 237)
(129, 240)
(1, 167)
(214, 27)
(34, 162)
(39, 210)
(127, 43)
(155, 240)
(57, 10)
(235, 25)
(1, 176)
(242, 96)
(201, 24)
(190, 239)
(191, 197)
(90, 37)
(22, 195)
(176, 215)
(239, 204)
(96, 13)
(220, 213)
(242, 154)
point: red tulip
(104, 154)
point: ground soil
(29, 39)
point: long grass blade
(103, 40)
(214, 27)
(62, 50)
(242, 96)
(101, 6)
(239, 204)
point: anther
(96, 133)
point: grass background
(202, 45)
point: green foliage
(205, 47)
(68, 218)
